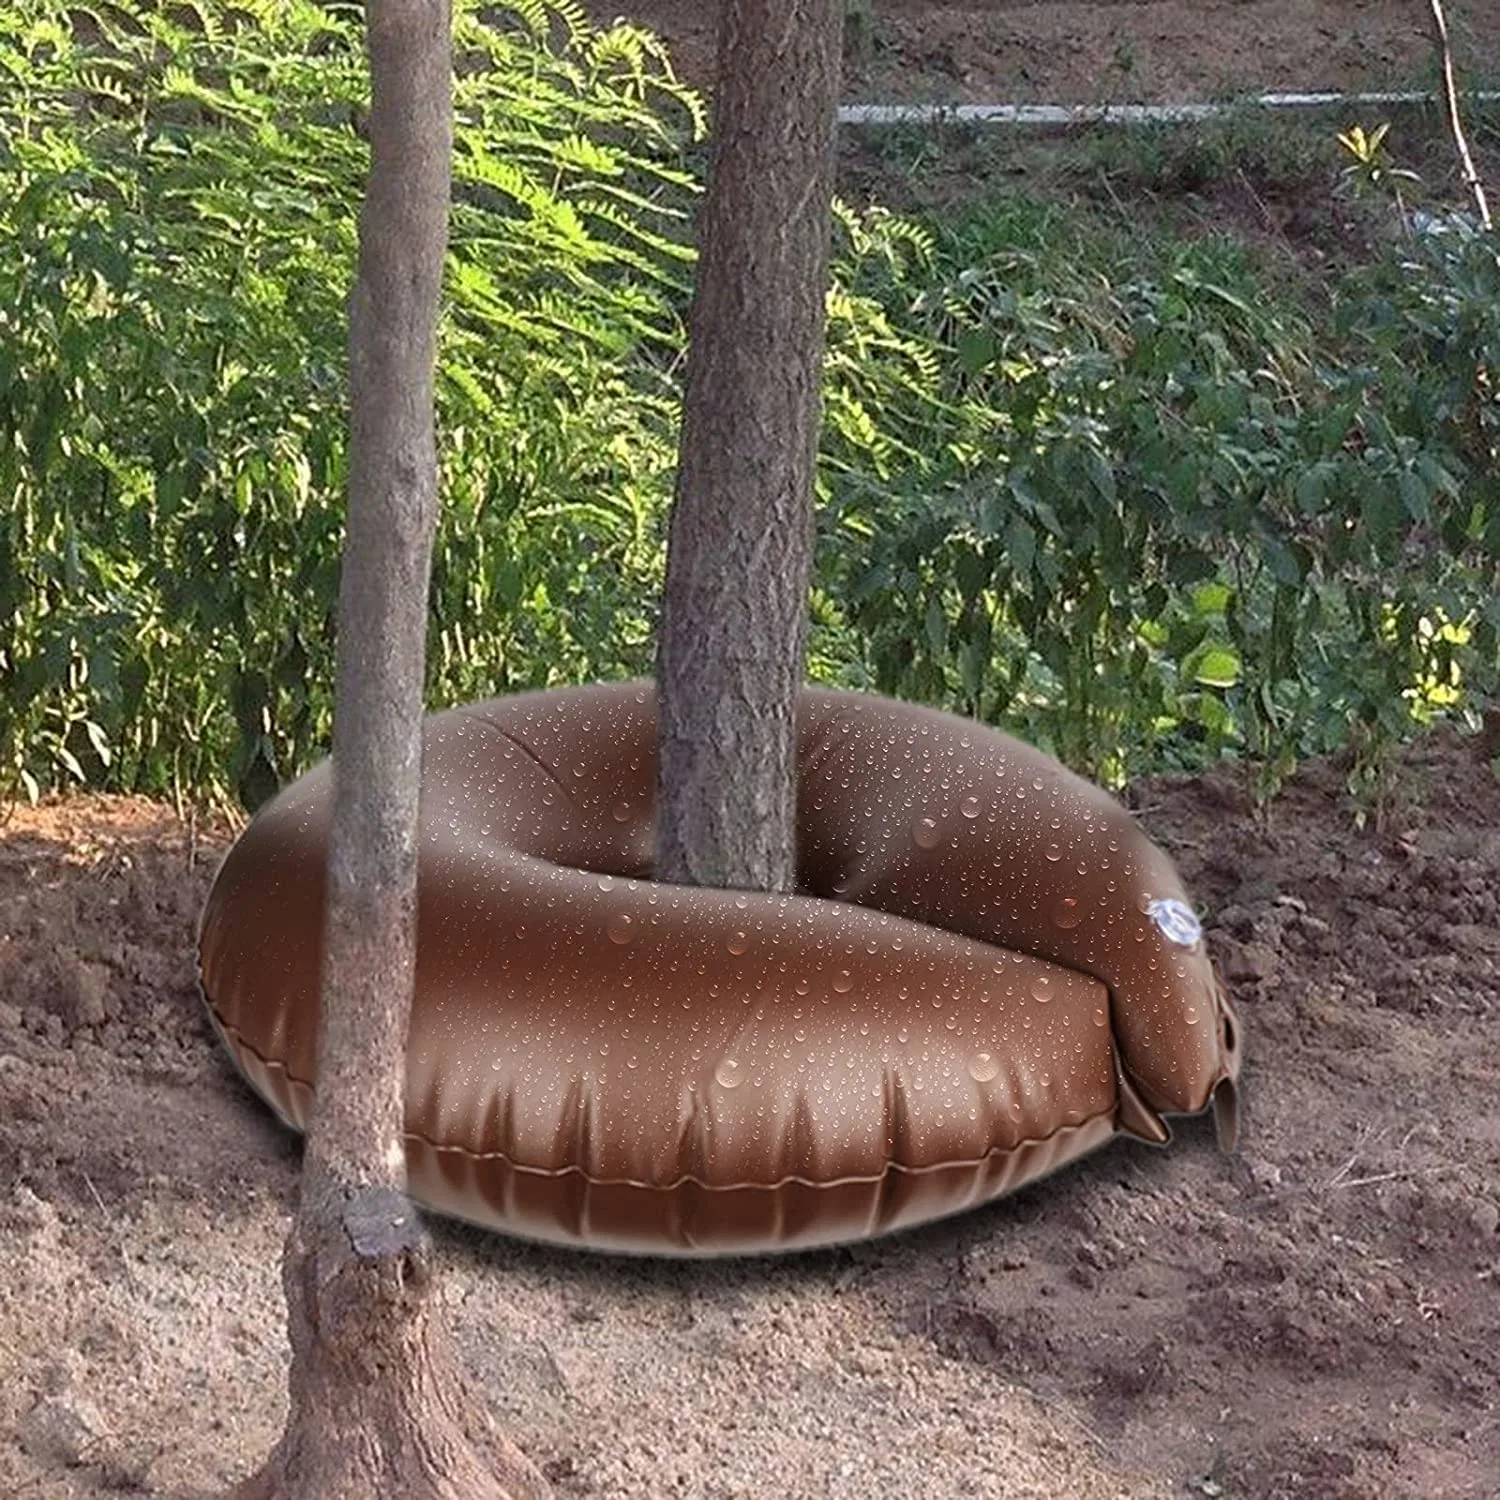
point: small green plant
(1372, 173)
(177, 206)
(1159, 512)
(859, 30)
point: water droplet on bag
(924, 833)
(737, 943)
(983, 1066)
(620, 928)
(729, 1074)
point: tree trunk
(1469, 171)
(376, 1409)
(734, 619)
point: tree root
(377, 1409)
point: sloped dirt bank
(1090, 51)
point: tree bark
(376, 1407)
(733, 634)
(1469, 171)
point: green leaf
(1310, 489)
(1285, 563)
(1217, 666)
(1415, 496)
(972, 571)
(976, 349)
(509, 584)
(69, 762)
(98, 740)
(1380, 509)
(1020, 547)
(1101, 475)
(1211, 598)
(1189, 565)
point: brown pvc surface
(971, 988)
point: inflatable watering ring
(987, 971)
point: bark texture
(376, 1409)
(1472, 179)
(734, 620)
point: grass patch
(1275, 177)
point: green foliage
(1171, 162)
(178, 201)
(1135, 500)
(1157, 512)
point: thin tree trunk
(1469, 171)
(376, 1409)
(733, 630)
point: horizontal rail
(1118, 114)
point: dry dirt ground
(1088, 51)
(1318, 1316)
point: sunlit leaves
(1194, 490)
(1130, 499)
(178, 199)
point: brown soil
(1086, 51)
(1316, 1317)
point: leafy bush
(178, 200)
(1136, 501)
(1159, 511)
